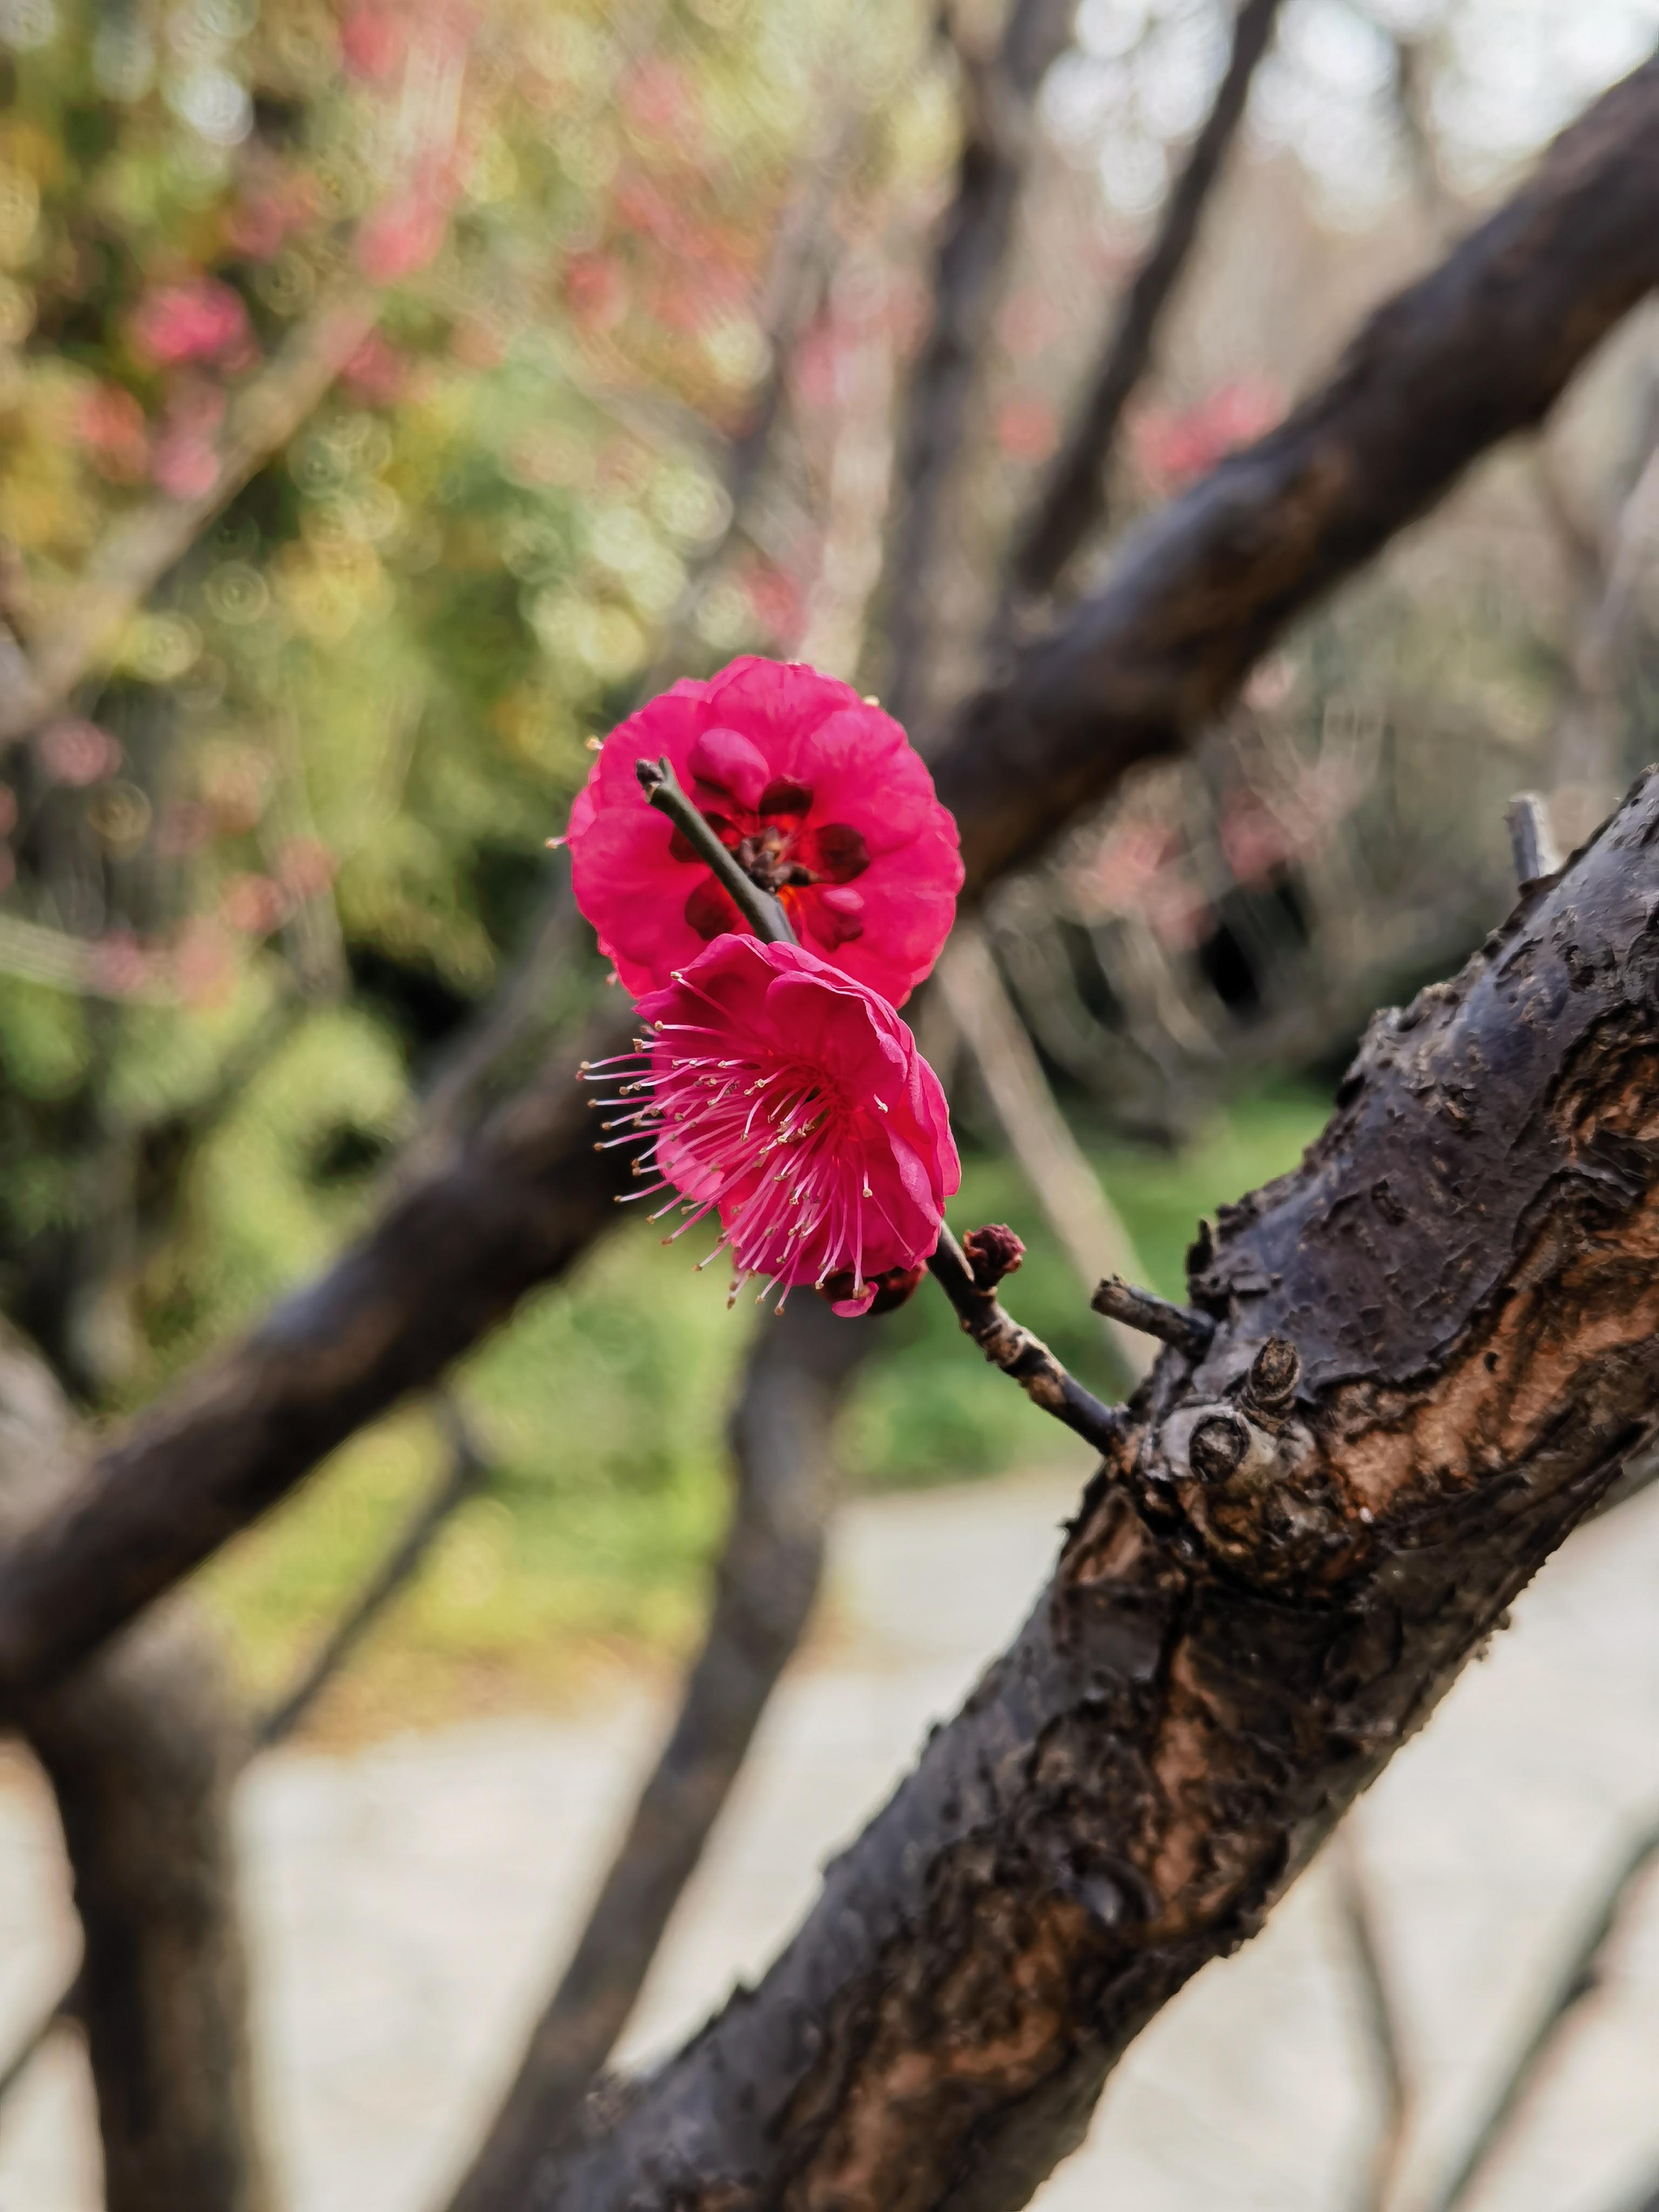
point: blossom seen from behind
(788, 1100)
(819, 794)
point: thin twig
(1071, 504)
(1018, 1353)
(1531, 840)
(465, 1475)
(1382, 2025)
(1579, 1979)
(1067, 1188)
(1143, 1311)
(758, 909)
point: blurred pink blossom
(184, 828)
(306, 867)
(185, 465)
(1174, 445)
(658, 97)
(110, 423)
(202, 321)
(377, 374)
(1254, 839)
(203, 965)
(372, 40)
(255, 904)
(778, 601)
(271, 208)
(595, 290)
(1028, 429)
(185, 462)
(403, 236)
(118, 964)
(76, 753)
(1113, 879)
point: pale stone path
(408, 1901)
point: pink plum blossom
(110, 424)
(789, 1101)
(201, 320)
(819, 794)
(76, 752)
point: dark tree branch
(1478, 350)
(141, 1750)
(1233, 1644)
(766, 1582)
(1071, 508)
(1578, 1980)
(968, 273)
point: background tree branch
(141, 1750)
(1071, 506)
(766, 1582)
(1477, 350)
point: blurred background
(391, 396)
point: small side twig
(1066, 1185)
(466, 1473)
(1381, 2023)
(1531, 840)
(1015, 1350)
(1578, 1980)
(1183, 1327)
(759, 909)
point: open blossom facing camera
(790, 1101)
(820, 796)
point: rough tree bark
(142, 1749)
(1479, 349)
(1434, 1341)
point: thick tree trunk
(142, 1749)
(1479, 349)
(1434, 1343)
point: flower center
(779, 848)
(773, 1150)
